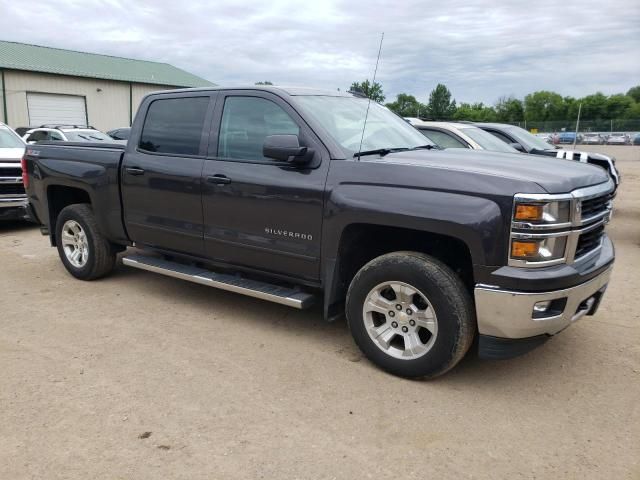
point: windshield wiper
(425, 147)
(380, 151)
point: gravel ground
(139, 376)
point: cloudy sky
(480, 49)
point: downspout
(130, 104)
(4, 98)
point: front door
(258, 212)
(161, 176)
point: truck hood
(551, 174)
(11, 153)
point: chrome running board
(266, 291)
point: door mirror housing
(518, 147)
(286, 148)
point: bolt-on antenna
(373, 82)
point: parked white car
(460, 135)
(13, 200)
(66, 133)
(618, 139)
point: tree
(440, 106)
(509, 110)
(407, 106)
(476, 112)
(634, 92)
(543, 105)
(267, 82)
(594, 107)
(617, 105)
(373, 91)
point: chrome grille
(11, 189)
(592, 207)
(589, 241)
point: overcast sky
(480, 49)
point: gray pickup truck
(288, 195)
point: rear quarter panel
(94, 170)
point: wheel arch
(362, 242)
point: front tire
(84, 251)
(410, 314)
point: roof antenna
(373, 82)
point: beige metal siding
(108, 103)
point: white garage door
(46, 108)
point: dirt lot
(139, 376)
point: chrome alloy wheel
(75, 243)
(400, 320)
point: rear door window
(174, 126)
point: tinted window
(246, 122)
(442, 139)
(55, 136)
(501, 136)
(38, 136)
(174, 126)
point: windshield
(87, 136)
(343, 118)
(8, 139)
(488, 141)
(528, 140)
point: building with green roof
(43, 85)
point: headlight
(542, 212)
(538, 249)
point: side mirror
(285, 148)
(518, 147)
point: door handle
(134, 171)
(219, 179)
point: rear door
(258, 212)
(161, 173)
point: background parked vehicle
(618, 139)
(65, 133)
(547, 137)
(524, 141)
(592, 139)
(636, 139)
(460, 135)
(13, 200)
(569, 138)
(120, 133)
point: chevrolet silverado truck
(13, 199)
(298, 196)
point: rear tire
(84, 251)
(410, 314)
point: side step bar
(252, 288)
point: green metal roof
(34, 58)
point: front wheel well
(59, 197)
(361, 243)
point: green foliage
(373, 91)
(440, 106)
(634, 92)
(509, 110)
(267, 82)
(537, 107)
(476, 112)
(543, 105)
(407, 106)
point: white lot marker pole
(575, 138)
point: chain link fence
(598, 126)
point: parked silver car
(618, 139)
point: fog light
(541, 307)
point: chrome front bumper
(14, 201)
(509, 314)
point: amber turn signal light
(524, 249)
(528, 212)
